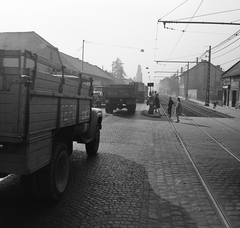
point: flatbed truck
(44, 108)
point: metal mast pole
(207, 101)
(186, 96)
(83, 54)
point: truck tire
(51, 181)
(57, 172)
(92, 147)
(111, 110)
(107, 108)
(131, 109)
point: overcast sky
(120, 29)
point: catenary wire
(231, 61)
(227, 52)
(225, 46)
(185, 29)
(173, 9)
(209, 14)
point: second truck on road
(120, 96)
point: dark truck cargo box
(120, 96)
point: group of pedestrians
(178, 108)
(156, 104)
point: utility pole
(83, 54)
(209, 58)
(207, 101)
(186, 96)
(188, 62)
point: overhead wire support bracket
(198, 22)
(169, 61)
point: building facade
(231, 86)
(193, 82)
(31, 41)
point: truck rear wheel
(58, 172)
(111, 110)
(131, 109)
(107, 108)
(51, 181)
(92, 147)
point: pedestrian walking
(157, 103)
(170, 104)
(178, 109)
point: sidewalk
(223, 109)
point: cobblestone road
(141, 178)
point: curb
(154, 115)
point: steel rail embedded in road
(217, 205)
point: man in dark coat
(170, 104)
(157, 103)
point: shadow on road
(105, 191)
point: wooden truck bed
(32, 105)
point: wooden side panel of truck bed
(12, 104)
(48, 110)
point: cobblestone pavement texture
(141, 178)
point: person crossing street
(178, 109)
(170, 104)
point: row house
(31, 41)
(193, 82)
(231, 86)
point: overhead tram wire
(210, 14)
(227, 40)
(236, 20)
(227, 52)
(226, 46)
(114, 45)
(222, 43)
(173, 9)
(186, 28)
(162, 18)
(231, 61)
(212, 33)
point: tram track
(213, 163)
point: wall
(198, 79)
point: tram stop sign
(150, 84)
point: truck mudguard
(96, 118)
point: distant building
(231, 86)
(138, 77)
(99, 76)
(193, 83)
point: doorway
(234, 98)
